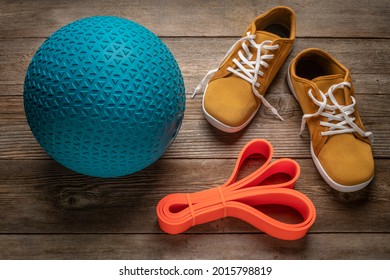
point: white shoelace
(346, 124)
(252, 70)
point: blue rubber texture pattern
(104, 96)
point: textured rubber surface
(104, 96)
(178, 212)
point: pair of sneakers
(233, 93)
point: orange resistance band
(178, 212)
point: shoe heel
(289, 83)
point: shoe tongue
(325, 82)
(264, 35)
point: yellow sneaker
(235, 91)
(340, 147)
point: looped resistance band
(178, 212)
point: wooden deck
(48, 211)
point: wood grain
(194, 246)
(196, 56)
(44, 197)
(331, 18)
(372, 84)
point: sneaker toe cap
(347, 162)
(230, 101)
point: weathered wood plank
(364, 84)
(190, 246)
(370, 104)
(41, 196)
(15, 55)
(198, 139)
(220, 18)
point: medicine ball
(104, 96)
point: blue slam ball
(104, 96)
